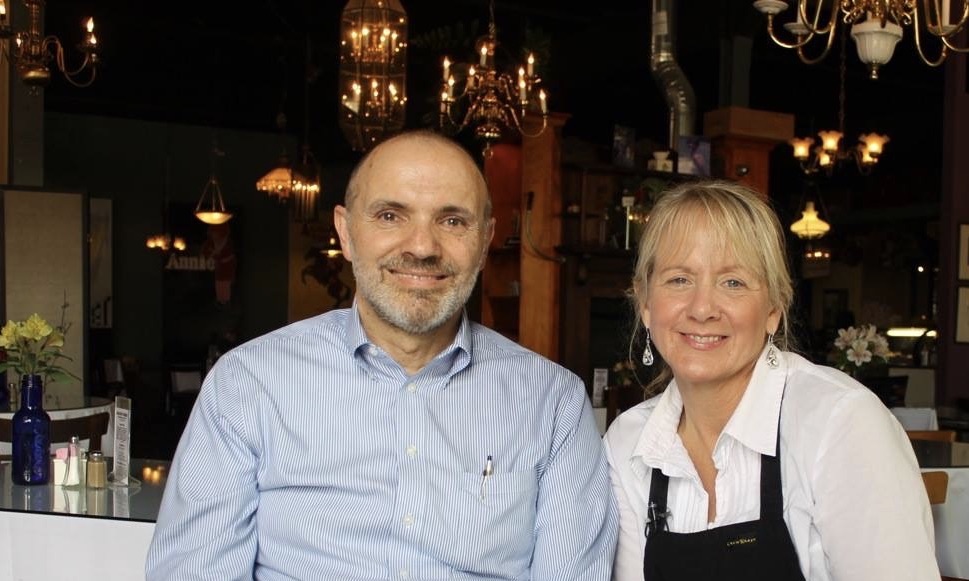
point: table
(950, 518)
(54, 532)
(66, 407)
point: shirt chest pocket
(493, 520)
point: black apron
(760, 549)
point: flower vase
(31, 434)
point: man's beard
(414, 311)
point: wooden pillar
(741, 142)
(952, 386)
(542, 176)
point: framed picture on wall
(963, 252)
(962, 315)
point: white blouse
(854, 500)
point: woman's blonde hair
(742, 221)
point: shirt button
(411, 387)
(408, 520)
(404, 574)
(412, 451)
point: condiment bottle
(97, 470)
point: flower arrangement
(859, 349)
(33, 347)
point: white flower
(858, 347)
(858, 353)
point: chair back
(620, 399)
(934, 435)
(89, 428)
(890, 389)
(936, 485)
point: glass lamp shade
(211, 208)
(278, 182)
(875, 44)
(373, 71)
(873, 143)
(810, 225)
(802, 147)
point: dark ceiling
(235, 64)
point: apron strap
(656, 509)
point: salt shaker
(97, 470)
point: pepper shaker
(97, 470)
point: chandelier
(165, 240)
(301, 183)
(829, 153)
(211, 207)
(876, 26)
(373, 71)
(31, 52)
(810, 226)
(492, 102)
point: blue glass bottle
(31, 434)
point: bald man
(395, 439)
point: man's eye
(387, 216)
(455, 222)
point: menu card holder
(122, 444)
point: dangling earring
(647, 352)
(771, 352)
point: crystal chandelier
(373, 71)
(31, 52)
(829, 153)
(301, 183)
(876, 26)
(492, 102)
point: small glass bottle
(97, 470)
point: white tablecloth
(917, 418)
(952, 524)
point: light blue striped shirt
(311, 454)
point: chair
(185, 381)
(936, 485)
(89, 428)
(933, 435)
(620, 399)
(889, 388)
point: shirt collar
(753, 423)
(452, 359)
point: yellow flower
(8, 335)
(35, 328)
(33, 347)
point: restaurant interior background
(184, 95)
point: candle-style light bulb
(544, 104)
(447, 69)
(531, 64)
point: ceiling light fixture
(829, 153)
(165, 240)
(303, 182)
(211, 207)
(876, 26)
(373, 71)
(31, 52)
(810, 226)
(492, 102)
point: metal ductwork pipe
(662, 62)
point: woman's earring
(647, 352)
(771, 352)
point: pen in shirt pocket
(489, 469)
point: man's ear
(343, 231)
